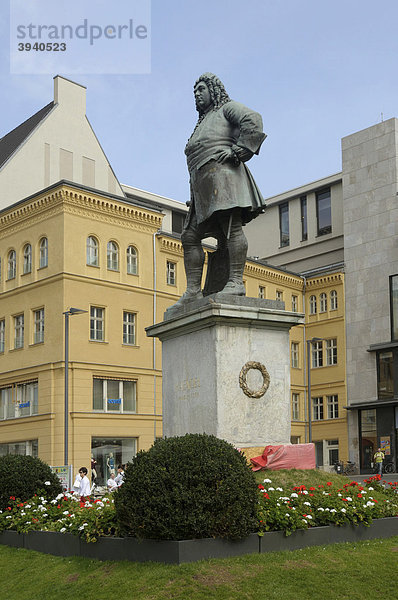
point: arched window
(112, 256)
(12, 264)
(312, 305)
(92, 251)
(323, 303)
(43, 253)
(27, 258)
(132, 261)
(333, 300)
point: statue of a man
(224, 195)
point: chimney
(67, 92)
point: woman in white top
(82, 483)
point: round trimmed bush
(193, 486)
(24, 476)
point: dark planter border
(177, 552)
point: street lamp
(68, 313)
(309, 342)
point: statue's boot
(237, 247)
(193, 261)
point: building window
(129, 328)
(324, 212)
(92, 252)
(279, 295)
(28, 448)
(43, 253)
(304, 226)
(38, 326)
(177, 221)
(19, 331)
(333, 406)
(132, 261)
(112, 256)
(333, 300)
(312, 305)
(171, 273)
(394, 307)
(0, 267)
(12, 265)
(385, 372)
(261, 291)
(323, 303)
(97, 324)
(295, 407)
(331, 352)
(110, 452)
(317, 355)
(295, 439)
(295, 355)
(317, 408)
(112, 395)
(27, 259)
(2, 334)
(333, 451)
(294, 303)
(19, 400)
(284, 224)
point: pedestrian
(82, 483)
(111, 483)
(119, 479)
(378, 459)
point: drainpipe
(154, 321)
(306, 399)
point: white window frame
(295, 406)
(331, 352)
(38, 326)
(279, 295)
(132, 260)
(97, 324)
(129, 328)
(312, 305)
(12, 265)
(261, 291)
(294, 303)
(27, 259)
(171, 273)
(92, 247)
(2, 335)
(19, 331)
(294, 353)
(333, 300)
(333, 406)
(112, 256)
(43, 253)
(323, 303)
(16, 398)
(317, 408)
(117, 402)
(317, 354)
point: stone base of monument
(226, 369)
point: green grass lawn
(295, 477)
(364, 570)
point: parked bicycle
(387, 468)
(350, 468)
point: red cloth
(286, 456)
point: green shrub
(194, 486)
(23, 476)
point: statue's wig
(216, 88)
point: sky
(316, 70)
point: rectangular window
(333, 451)
(129, 328)
(115, 396)
(261, 291)
(304, 226)
(107, 453)
(279, 295)
(385, 370)
(295, 355)
(19, 400)
(317, 408)
(317, 355)
(28, 448)
(294, 303)
(38, 326)
(394, 307)
(171, 273)
(97, 324)
(333, 406)
(295, 407)
(19, 331)
(177, 221)
(284, 224)
(324, 212)
(2, 334)
(331, 352)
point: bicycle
(350, 468)
(387, 468)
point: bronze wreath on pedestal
(243, 379)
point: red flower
(12, 497)
(260, 486)
(359, 496)
(328, 483)
(8, 507)
(311, 489)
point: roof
(12, 140)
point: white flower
(333, 510)
(47, 483)
(59, 496)
(279, 489)
(294, 495)
(327, 509)
(304, 492)
(23, 513)
(309, 517)
(343, 510)
(304, 520)
(307, 503)
(287, 515)
(271, 489)
(28, 506)
(63, 529)
(339, 495)
(45, 515)
(371, 489)
(54, 501)
(349, 499)
(267, 481)
(9, 517)
(277, 504)
(66, 512)
(322, 509)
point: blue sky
(316, 70)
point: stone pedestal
(226, 369)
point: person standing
(82, 483)
(378, 459)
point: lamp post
(67, 314)
(309, 403)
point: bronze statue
(224, 195)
